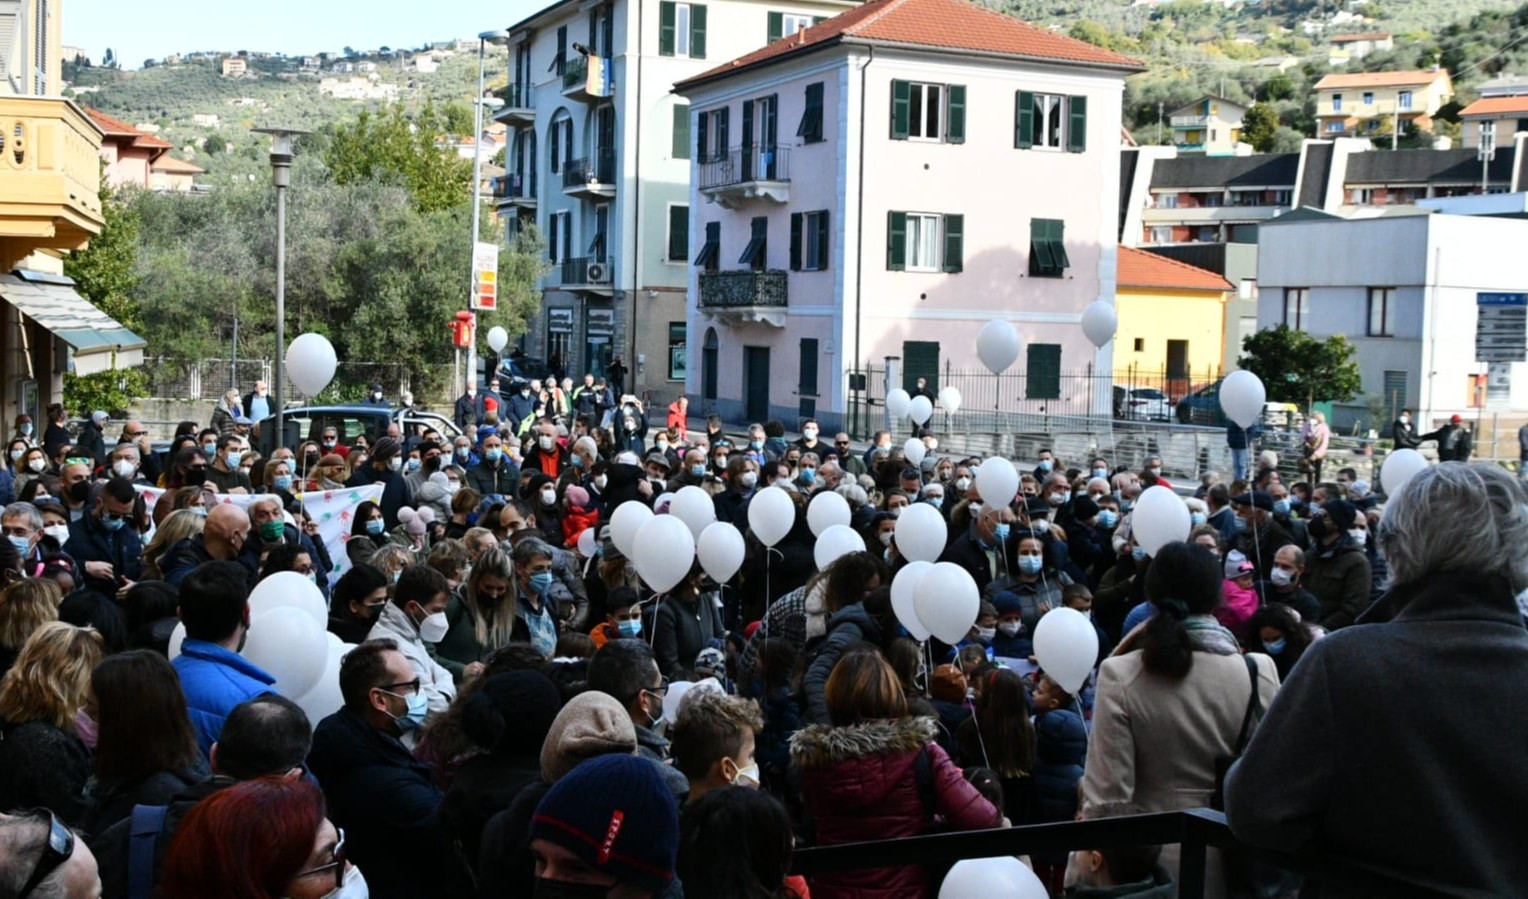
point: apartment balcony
(591, 178)
(518, 108)
(587, 78)
(588, 274)
(514, 190)
(50, 177)
(746, 174)
(1210, 215)
(745, 297)
(1189, 121)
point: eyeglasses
(116, 516)
(659, 691)
(59, 847)
(413, 686)
(337, 865)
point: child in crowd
(1241, 600)
(779, 672)
(623, 617)
(982, 632)
(713, 740)
(574, 646)
(1079, 598)
(1061, 745)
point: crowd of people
(521, 715)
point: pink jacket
(1236, 607)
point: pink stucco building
(884, 183)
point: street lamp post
(496, 38)
(281, 177)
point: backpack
(147, 824)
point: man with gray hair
(1400, 742)
(23, 528)
(42, 858)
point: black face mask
(1317, 527)
(558, 889)
(196, 477)
(79, 491)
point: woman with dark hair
(1171, 701)
(687, 619)
(359, 596)
(40, 489)
(151, 618)
(188, 468)
(851, 620)
(1276, 630)
(146, 751)
(288, 557)
(875, 773)
(260, 839)
(30, 467)
(368, 533)
(1000, 736)
(737, 842)
(802, 614)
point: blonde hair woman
(47, 732)
(481, 617)
(392, 559)
(25, 606)
(179, 525)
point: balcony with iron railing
(746, 296)
(50, 176)
(745, 173)
(515, 189)
(587, 274)
(592, 177)
(518, 106)
(1189, 121)
(583, 81)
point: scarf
(1206, 634)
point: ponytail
(1184, 579)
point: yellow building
(1171, 332)
(50, 181)
(1366, 103)
(1209, 125)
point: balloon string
(976, 723)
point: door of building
(756, 383)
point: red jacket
(859, 785)
(676, 420)
(574, 521)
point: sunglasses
(59, 848)
(337, 865)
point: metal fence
(207, 379)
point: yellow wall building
(1171, 331)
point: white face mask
(453, 486)
(1010, 628)
(549, 496)
(885, 537)
(985, 634)
(59, 532)
(545, 442)
(1280, 577)
(962, 484)
(123, 468)
(433, 628)
(352, 887)
(37, 464)
(600, 481)
(1360, 536)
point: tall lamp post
(281, 177)
(497, 38)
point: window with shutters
(1296, 307)
(560, 137)
(1050, 122)
(928, 112)
(712, 137)
(785, 24)
(1047, 250)
(682, 29)
(679, 232)
(1042, 379)
(560, 61)
(757, 252)
(559, 240)
(681, 148)
(710, 253)
(925, 242)
(810, 129)
(922, 242)
(809, 241)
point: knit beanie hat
(577, 496)
(948, 684)
(591, 724)
(385, 448)
(616, 814)
(1342, 513)
(416, 523)
(512, 712)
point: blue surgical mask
(1000, 532)
(1275, 647)
(375, 526)
(494, 454)
(22, 544)
(463, 452)
(418, 708)
(1100, 472)
(234, 458)
(413, 464)
(756, 444)
(1030, 564)
(209, 449)
(935, 501)
(1241, 523)
(629, 628)
(1281, 506)
(1045, 464)
(541, 582)
(808, 475)
(1137, 553)
(1107, 518)
(283, 482)
(698, 471)
(26, 429)
(578, 461)
(1197, 518)
(113, 524)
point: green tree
(105, 272)
(214, 145)
(112, 391)
(391, 149)
(1092, 32)
(1260, 126)
(1297, 368)
(458, 118)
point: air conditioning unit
(599, 273)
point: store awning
(99, 342)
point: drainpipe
(859, 252)
(636, 211)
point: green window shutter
(679, 232)
(795, 241)
(666, 28)
(702, 122)
(697, 31)
(776, 26)
(806, 382)
(955, 123)
(562, 50)
(810, 129)
(896, 241)
(723, 126)
(1024, 120)
(1058, 246)
(821, 237)
(1077, 127)
(901, 103)
(954, 242)
(681, 131)
(1043, 372)
(920, 359)
(1041, 261)
(818, 20)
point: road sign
(1501, 327)
(485, 276)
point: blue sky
(287, 26)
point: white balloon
(914, 449)
(921, 533)
(981, 878)
(177, 637)
(288, 589)
(678, 691)
(1066, 646)
(1160, 517)
(1099, 322)
(771, 513)
(310, 363)
(720, 550)
(1242, 397)
(947, 601)
(290, 647)
(920, 409)
(1399, 467)
(323, 698)
(663, 552)
(497, 338)
(838, 540)
(997, 481)
(997, 345)
(904, 589)
(949, 398)
(625, 521)
(694, 507)
(825, 510)
(587, 538)
(664, 504)
(897, 402)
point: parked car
(308, 423)
(1141, 403)
(514, 369)
(1202, 407)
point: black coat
(112, 847)
(682, 628)
(483, 786)
(1399, 744)
(42, 766)
(389, 806)
(488, 480)
(851, 625)
(966, 552)
(122, 549)
(114, 801)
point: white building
(599, 158)
(1404, 289)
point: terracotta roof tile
(1365, 36)
(1380, 79)
(929, 24)
(118, 128)
(1139, 268)
(168, 163)
(1497, 106)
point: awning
(100, 343)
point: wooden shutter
(697, 31)
(679, 232)
(702, 131)
(901, 103)
(723, 129)
(795, 241)
(806, 382)
(594, 32)
(818, 20)
(1041, 262)
(1057, 228)
(551, 242)
(955, 121)
(920, 359)
(561, 61)
(1077, 124)
(1024, 120)
(776, 26)
(820, 235)
(810, 129)
(666, 28)
(681, 131)
(1042, 379)
(954, 242)
(896, 241)
(554, 141)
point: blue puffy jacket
(215, 680)
(1061, 745)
